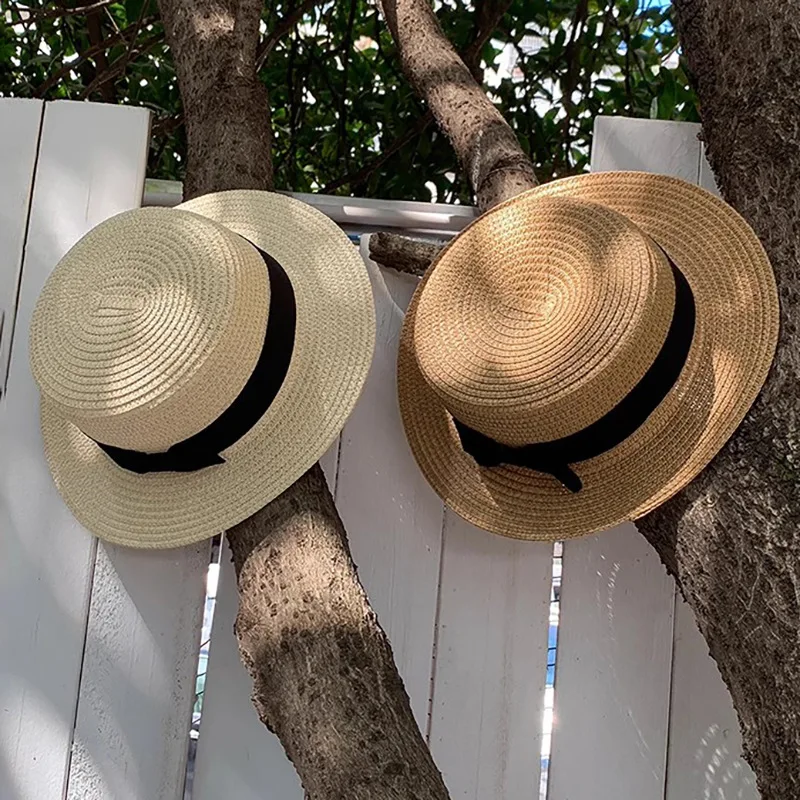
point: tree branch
(225, 106)
(166, 125)
(488, 14)
(95, 32)
(88, 53)
(118, 67)
(324, 678)
(571, 56)
(281, 28)
(486, 146)
(487, 17)
(346, 47)
(402, 253)
(35, 15)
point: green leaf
(133, 8)
(378, 102)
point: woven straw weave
(168, 340)
(540, 316)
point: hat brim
(734, 343)
(334, 340)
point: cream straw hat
(577, 355)
(215, 350)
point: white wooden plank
(330, 465)
(19, 141)
(90, 166)
(393, 518)
(612, 670)
(491, 656)
(615, 640)
(670, 148)
(704, 761)
(137, 689)
(137, 686)
(237, 757)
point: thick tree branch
(324, 678)
(731, 538)
(224, 104)
(488, 15)
(402, 253)
(486, 146)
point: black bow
(491, 453)
(176, 459)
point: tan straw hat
(215, 350)
(578, 354)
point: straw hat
(215, 350)
(577, 355)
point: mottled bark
(487, 148)
(732, 538)
(401, 253)
(324, 677)
(225, 106)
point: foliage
(344, 117)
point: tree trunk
(324, 677)
(487, 148)
(225, 106)
(731, 538)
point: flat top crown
(541, 316)
(149, 327)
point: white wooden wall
(98, 644)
